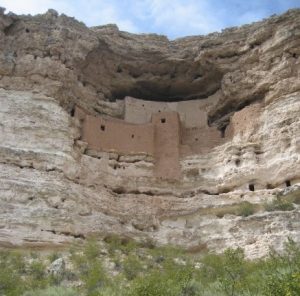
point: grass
(243, 209)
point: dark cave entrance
(251, 187)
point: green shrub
(245, 209)
(172, 280)
(232, 282)
(91, 250)
(53, 256)
(12, 268)
(279, 205)
(132, 266)
(94, 279)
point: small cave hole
(132, 136)
(196, 139)
(237, 162)
(287, 183)
(163, 120)
(159, 111)
(102, 127)
(197, 76)
(294, 55)
(72, 112)
(251, 187)
(270, 186)
(119, 69)
(27, 30)
(84, 83)
(222, 130)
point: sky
(173, 18)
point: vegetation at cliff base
(121, 267)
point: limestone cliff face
(54, 189)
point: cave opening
(288, 183)
(251, 187)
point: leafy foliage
(141, 271)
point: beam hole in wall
(102, 127)
(196, 139)
(287, 183)
(163, 120)
(251, 187)
(132, 136)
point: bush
(12, 267)
(132, 266)
(279, 205)
(245, 209)
(232, 281)
(172, 280)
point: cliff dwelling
(165, 131)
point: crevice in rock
(65, 233)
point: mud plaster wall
(107, 134)
(191, 113)
(166, 143)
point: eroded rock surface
(54, 189)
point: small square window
(162, 120)
(102, 127)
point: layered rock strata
(55, 188)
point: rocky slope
(53, 190)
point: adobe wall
(166, 143)
(108, 134)
(192, 113)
